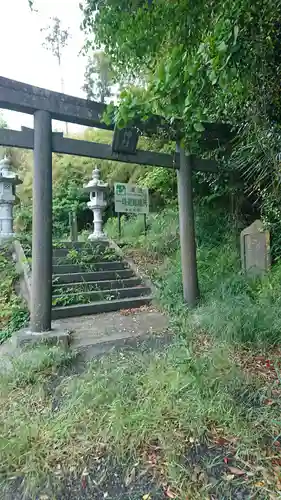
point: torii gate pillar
(187, 230)
(41, 286)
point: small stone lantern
(97, 189)
(8, 181)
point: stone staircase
(90, 278)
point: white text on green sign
(131, 199)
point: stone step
(96, 266)
(97, 285)
(81, 244)
(61, 252)
(87, 297)
(91, 259)
(99, 307)
(65, 248)
(92, 276)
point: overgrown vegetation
(205, 62)
(87, 261)
(233, 307)
(13, 312)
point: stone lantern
(97, 189)
(8, 181)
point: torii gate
(46, 105)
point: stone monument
(8, 181)
(255, 249)
(97, 189)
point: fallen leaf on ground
(170, 493)
(152, 458)
(146, 497)
(276, 462)
(268, 402)
(236, 471)
(196, 471)
(125, 312)
(259, 484)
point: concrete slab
(57, 336)
(115, 326)
(96, 335)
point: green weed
(14, 313)
(233, 307)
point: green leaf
(201, 48)
(235, 32)
(121, 123)
(123, 94)
(222, 47)
(161, 71)
(199, 127)
(187, 101)
(106, 118)
(213, 77)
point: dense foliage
(202, 61)
(215, 60)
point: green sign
(131, 199)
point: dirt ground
(101, 480)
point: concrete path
(100, 333)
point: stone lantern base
(98, 233)
(99, 236)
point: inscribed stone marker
(255, 249)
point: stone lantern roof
(6, 173)
(95, 184)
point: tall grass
(13, 312)
(233, 307)
(126, 403)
